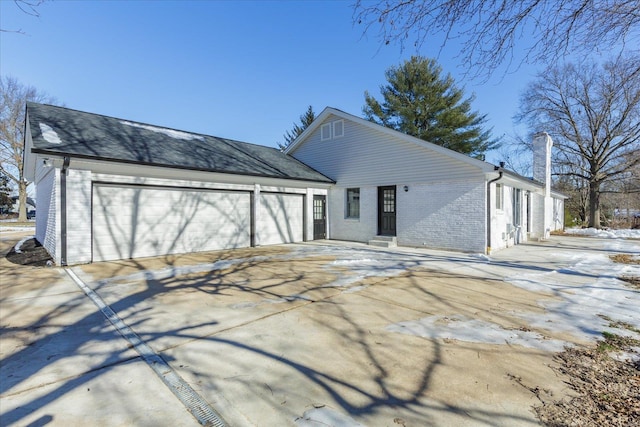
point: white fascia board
(29, 159)
(482, 165)
(101, 167)
(515, 181)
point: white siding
(364, 156)
(46, 209)
(280, 219)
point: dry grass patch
(607, 390)
(625, 259)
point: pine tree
(305, 120)
(419, 101)
(6, 202)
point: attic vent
(332, 130)
(49, 134)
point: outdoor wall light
(46, 163)
(406, 188)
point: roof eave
(151, 164)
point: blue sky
(244, 70)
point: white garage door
(134, 222)
(280, 219)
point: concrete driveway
(312, 335)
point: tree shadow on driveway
(191, 318)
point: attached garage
(124, 190)
(140, 221)
(281, 218)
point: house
(112, 189)
(392, 187)
(109, 188)
(30, 206)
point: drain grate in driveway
(194, 403)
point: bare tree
(490, 29)
(13, 98)
(30, 7)
(592, 112)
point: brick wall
(448, 215)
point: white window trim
(325, 132)
(346, 216)
(335, 134)
(499, 197)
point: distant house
(31, 206)
(110, 188)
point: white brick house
(112, 189)
(435, 197)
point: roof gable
(328, 111)
(66, 132)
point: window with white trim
(499, 197)
(325, 132)
(338, 128)
(331, 130)
(353, 203)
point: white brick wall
(448, 215)
(438, 215)
(357, 230)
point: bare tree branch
(490, 30)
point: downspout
(499, 170)
(63, 210)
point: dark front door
(319, 217)
(387, 211)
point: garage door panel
(132, 222)
(280, 219)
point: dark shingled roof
(65, 132)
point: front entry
(387, 211)
(319, 217)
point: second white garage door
(140, 221)
(280, 218)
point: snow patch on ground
(460, 327)
(586, 289)
(606, 234)
(323, 417)
(18, 246)
(17, 228)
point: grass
(625, 259)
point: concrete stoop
(384, 242)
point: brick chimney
(542, 203)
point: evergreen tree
(419, 101)
(305, 120)
(6, 202)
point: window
(499, 197)
(325, 131)
(517, 207)
(353, 203)
(332, 130)
(338, 128)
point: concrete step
(384, 241)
